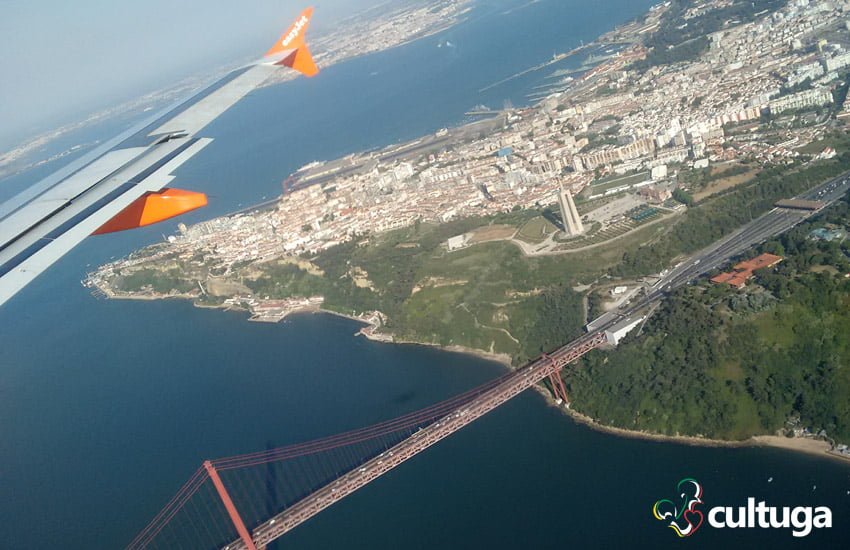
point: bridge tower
(557, 383)
(230, 507)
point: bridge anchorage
(245, 502)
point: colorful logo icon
(683, 517)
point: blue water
(107, 407)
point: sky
(64, 60)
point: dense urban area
(509, 234)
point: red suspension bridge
(245, 502)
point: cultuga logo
(295, 30)
(684, 517)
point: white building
(659, 172)
(801, 100)
(458, 242)
(837, 62)
(619, 331)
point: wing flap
(26, 259)
(52, 200)
(41, 224)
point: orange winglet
(302, 61)
(291, 49)
(153, 208)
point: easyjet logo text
(296, 29)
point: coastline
(809, 446)
(21, 152)
(805, 445)
(366, 332)
(812, 447)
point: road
(770, 224)
(466, 412)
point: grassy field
(156, 280)
(838, 141)
(536, 230)
(491, 233)
(721, 183)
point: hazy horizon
(65, 61)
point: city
(617, 130)
(427, 274)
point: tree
(683, 197)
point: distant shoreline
(17, 160)
(805, 445)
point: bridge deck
(521, 380)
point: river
(107, 407)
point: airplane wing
(124, 184)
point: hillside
(722, 363)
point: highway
(492, 396)
(768, 225)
